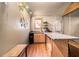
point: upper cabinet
(72, 7)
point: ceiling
(48, 8)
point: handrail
(16, 51)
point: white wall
(12, 33)
(71, 23)
(55, 23)
(66, 25)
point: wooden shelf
(72, 7)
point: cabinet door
(49, 45)
(74, 48)
(39, 38)
(60, 48)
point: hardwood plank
(37, 50)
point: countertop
(56, 35)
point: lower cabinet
(60, 48)
(36, 37)
(74, 51)
(49, 45)
(55, 47)
(73, 48)
(39, 38)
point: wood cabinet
(73, 48)
(49, 45)
(72, 7)
(39, 37)
(36, 37)
(57, 47)
(60, 48)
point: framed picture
(22, 22)
(37, 23)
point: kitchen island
(60, 43)
(57, 43)
(56, 35)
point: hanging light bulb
(27, 7)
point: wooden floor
(38, 50)
(59, 48)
